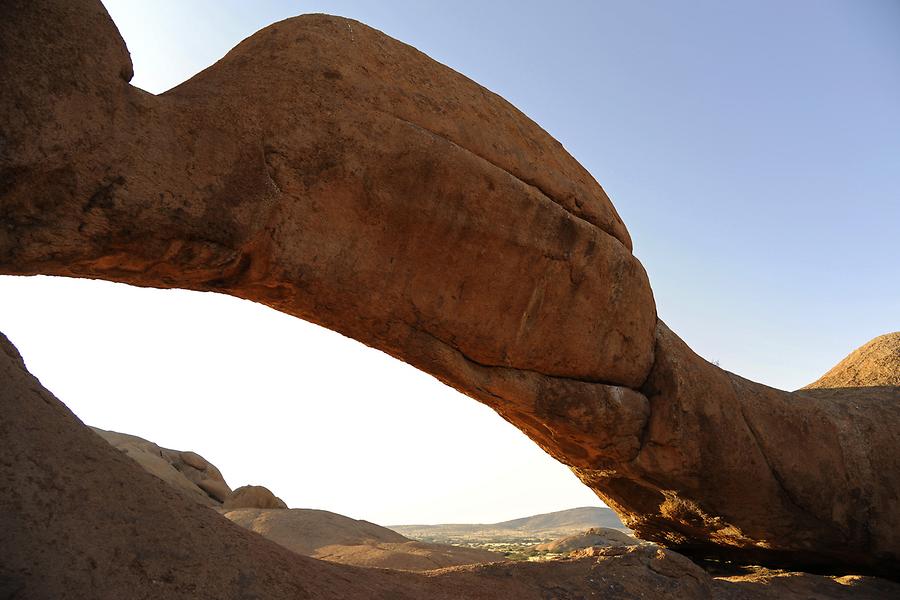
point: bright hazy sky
(752, 148)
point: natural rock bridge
(338, 175)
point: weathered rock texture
(333, 173)
(186, 471)
(874, 364)
(82, 520)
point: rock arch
(335, 174)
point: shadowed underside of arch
(338, 175)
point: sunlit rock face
(253, 496)
(338, 175)
(874, 364)
(186, 471)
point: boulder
(215, 489)
(343, 177)
(194, 460)
(598, 537)
(252, 496)
(188, 472)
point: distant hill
(585, 517)
(533, 529)
(333, 537)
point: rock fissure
(525, 182)
(511, 367)
(772, 470)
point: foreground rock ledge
(333, 173)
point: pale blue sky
(752, 149)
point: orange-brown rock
(187, 471)
(253, 496)
(874, 364)
(768, 476)
(340, 176)
(82, 520)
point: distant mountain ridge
(537, 528)
(589, 516)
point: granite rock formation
(874, 364)
(253, 496)
(186, 471)
(335, 174)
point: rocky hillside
(874, 364)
